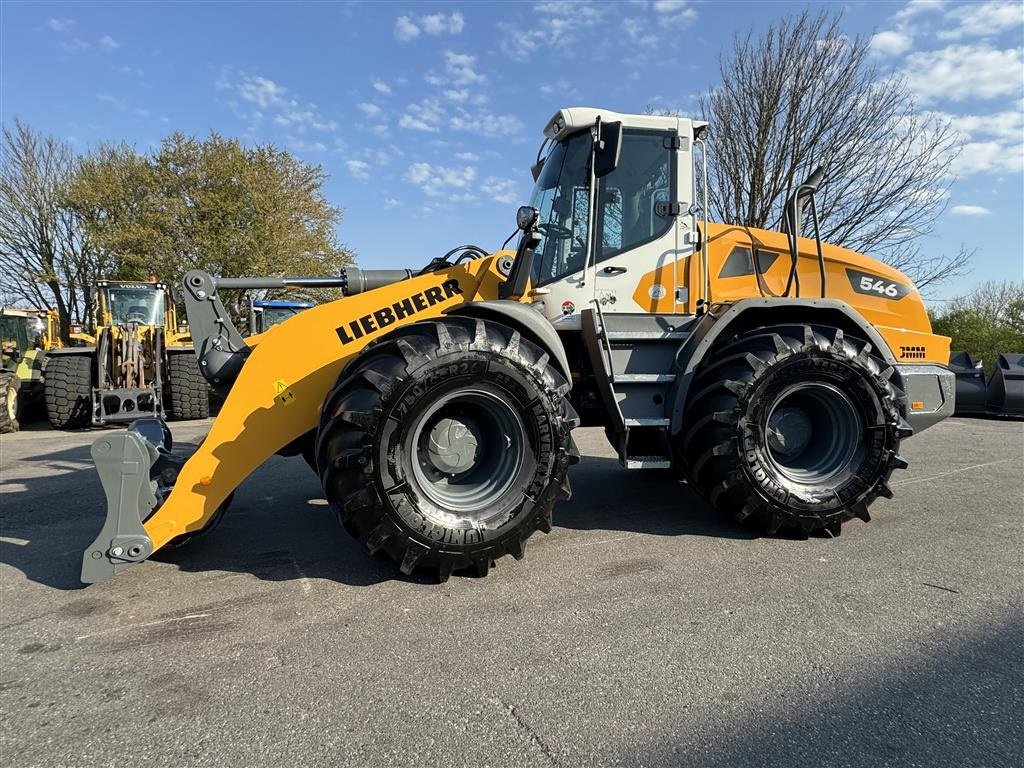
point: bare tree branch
(46, 259)
(804, 94)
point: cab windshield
(144, 306)
(14, 338)
(561, 196)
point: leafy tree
(803, 94)
(987, 321)
(46, 258)
(211, 204)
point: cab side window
(630, 194)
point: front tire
(67, 389)
(446, 445)
(189, 395)
(10, 406)
(794, 427)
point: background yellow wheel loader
(26, 335)
(133, 361)
(778, 373)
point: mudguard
(528, 321)
(748, 313)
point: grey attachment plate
(123, 462)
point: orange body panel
(902, 320)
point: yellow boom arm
(275, 400)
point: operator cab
(613, 229)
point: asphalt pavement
(642, 631)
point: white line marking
(305, 582)
(14, 541)
(952, 472)
(190, 617)
(602, 541)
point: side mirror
(606, 158)
(536, 168)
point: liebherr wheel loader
(779, 374)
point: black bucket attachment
(1006, 387)
(971, 393)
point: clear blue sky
(428, 115)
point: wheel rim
(813, 434)
(469, 447)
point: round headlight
(526, 217)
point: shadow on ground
(954, 702)
(278, 527)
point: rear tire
(67, 389)
(446, 445)
(793, 427)
(189, 396)
(10, 402)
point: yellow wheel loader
(777, 373)
(26, 335)
(134, 361)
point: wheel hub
(813, 434)
(469, 448)
(789, 430)
(454, 445)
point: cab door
(642, 228)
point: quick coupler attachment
(131, 466)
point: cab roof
(569, 120)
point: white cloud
(679, 9)
(391, 202)
(60, 25)
(107, 98)
(959, 72)
(485, 123)
(425, 115)
(435, 180)
(557, 27)
(458, 96)
(459, 67)
(298, 145)
(501, 190)
(890, 43)
(409, 27)
(989, 156)
(109, 43)
(918, 7)
(369, 109)
(438, 23)
(970, 210)
(262, 91)
(358, 169)
(993, 143)
(468, 157)
(405, 29)
(381, 87)
(273, 98)
(984, 20)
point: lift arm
(274, 393)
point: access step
(647, 422)
(648, 462)
(643, 378)
(647, 335)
